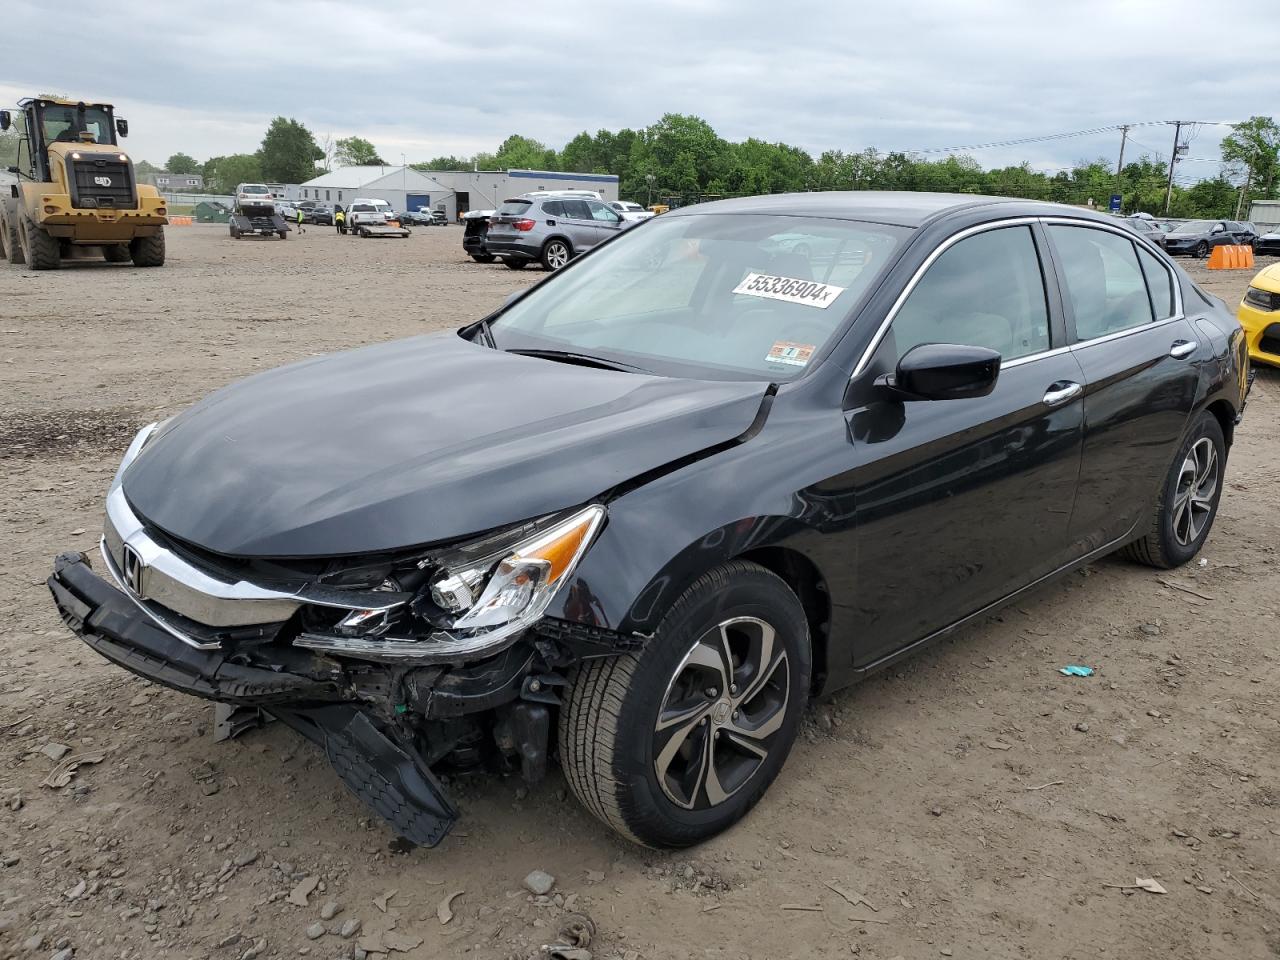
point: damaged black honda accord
(638, 517)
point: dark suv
(313, 211)
(549, 229)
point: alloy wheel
(1195, 492)
(557, 255)
(721, 713)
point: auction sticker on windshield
(789, 289)
(792, 354)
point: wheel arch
(557, 236)
(1225, 414)
(806, 581)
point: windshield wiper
(583, 359)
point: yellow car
(1259, 314)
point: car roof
(897, 208)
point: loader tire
(147, 251)
(11, 239)
(115, 253)
(41, 250)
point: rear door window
(1159, 282)
(1105, 285)
(553, 208)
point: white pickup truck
(370, 217)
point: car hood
(414, 442)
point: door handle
(1064, 391)
(1182, 349)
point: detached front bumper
(385, 771)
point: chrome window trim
(921, 270)
(952, 240)
(1178, 310)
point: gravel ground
(970, 803)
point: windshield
(63, 124)
(719, 296)
(1194, 226)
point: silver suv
(549, 229)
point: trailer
(369, 217)
(248, 220)
(391, 228)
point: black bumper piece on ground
(387, 775)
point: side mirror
(944, 371)
(122, 126)
(5, 119)
(1219, 229)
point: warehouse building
(458, 190)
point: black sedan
(648, 509)
(1198, 237)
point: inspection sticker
(792, 354)
(789, 289)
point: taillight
(524, 224)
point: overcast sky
(423, 79)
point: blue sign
(1115, 203)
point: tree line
(681, 158)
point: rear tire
(1201, 250)
(1188, 503)
(115, 253)
(284, 234)
(513, 264)
(640, 735)
(41, 250)
(147, 251)
(555, 254)
(483, 257)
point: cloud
(425, 79)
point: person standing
(339, 220)
(301, 221)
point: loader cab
(48, 122)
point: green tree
(443, 163)
(232, 170)
(182, 163)
(356, 152)
(144, 169)
(523, 153)
(288, 153)
(1253, 149)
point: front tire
(1188, 502)
(1201, 250)
(12, 238)
(41, 250)
(147, 251)
(674, 744)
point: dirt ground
(972, 803)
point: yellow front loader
(76, 188)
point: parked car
(1259, 315)
(550, 230)
(631, 211)
(475, 230)
(654, 504)
(1268, 244)
(417, 218)
(1198, 237)
(287, 210)
(317, 212)
(1153, 230)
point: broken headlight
(473, 601)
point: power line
(1074, 133)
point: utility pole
(1124, 135)
(1173, 159)
(1243, 190)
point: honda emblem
(132, 567)
(102, 181)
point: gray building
(167, 182)
(456, 190)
